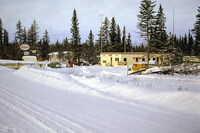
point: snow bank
(175, 92)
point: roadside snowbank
(175, 92)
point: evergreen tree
(24, 36)
(66, 45)
(196, 33)
(75, 39)
(146, 18)
(1, 38)
(5, 52)
(113, 36)
(92, 52)
(124, 40)
(19, 32)
(129, 44)
(146, 22)
(44, 46)
(1, 32)
(119, 45)
(33, 35)
(190, 44)
(159, 40)
(105, 35)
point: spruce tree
(129, 44)
(75, 38)
(146, 18)
(92, 52)
(113, 36)
(190, 44)
(119, 45)
(18, 40)
(105, 35)
(1, 38)
(146, 22)
(19, 32)
(45, 46)
(124, 40)
(33, 35)
(159, 40)
(196, 33)
(1, 32)
(24, 36)
(6, 51)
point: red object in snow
(71, 64)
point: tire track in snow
(46, 121)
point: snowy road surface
(97, 100)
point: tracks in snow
(44, 120)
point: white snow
(96, 99)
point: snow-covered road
(96, 100)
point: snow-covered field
(96, 99)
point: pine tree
(146, 22)
(5, 52)
(190, 44)
(75, 39)
(33, 35)
(1, 38)
(124, 40)
(1, 32)
(159, 40)
(44, 47)
(113, 36)
(129, 44)
(24, 36)
(92, 52)
(105, 35)
(146, 18)
(19, 32)
(119, 45)
(66, 45)
(196, 33)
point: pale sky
(55, 16)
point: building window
(154, 59)
(157, 59)
(104, 61)
(136, 59)
(143, 59)
(125, 59)
(116, 59)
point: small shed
(29, 58)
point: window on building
(104, 61)
(125, 59)
(143, 59)
(136, 59)
(157, 59)
(154, 59)
(116, 59)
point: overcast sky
(55, 16)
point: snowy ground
(97, 99)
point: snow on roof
(56, 53)
(150, 62)
(130, 53)
(25, 57)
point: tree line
(110, 38)
(153, 30)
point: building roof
(28, 57)
(128, 53)
(56, 53)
